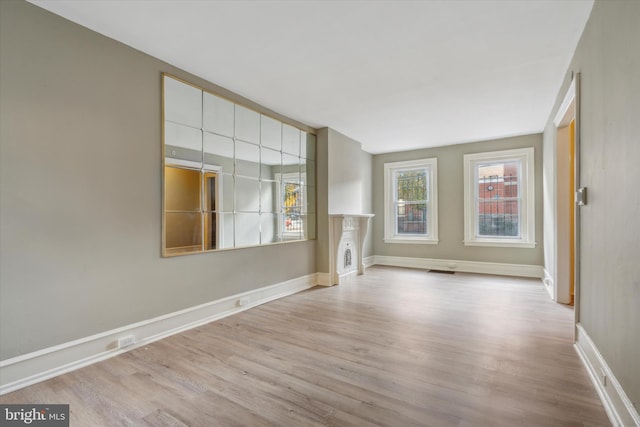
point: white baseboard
(31, 368)
(547, 281)
(369, 261)
(324, 279)
(618, 406)
(521, 270)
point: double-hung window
(499, 198)
(411, 209)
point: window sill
(410, 241)
(500, 243)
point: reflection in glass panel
(183, 220)
(247, 159)
(293, 200)
(247, 230)
(271, 133)
(233, 177)
(307, 145)
(210, 206)
(247, 195)
(311, 146)
(182, 103)
(183, 232)
(309, 226)
(182, 136)
(247, 125)
(210, 231)
(303, 144)
(182, 189)
(183, 145)
(269, 193)
(217, 115)
(218, 152)
(290, 165)
(308, 170)
(271, 161)
(226, 230)
(269, 228)
(226, 196)
(310, 199)
(290, 140)
(289, 236)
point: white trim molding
(547, 281)
(562, 117)
(521, 270)
(369, 261)
(31, 368)
(324, 279)
(616, 402)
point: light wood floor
(395, 347)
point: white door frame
(569, 110)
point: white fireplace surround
(346, 242)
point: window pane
(411, 206)
(411, 218)
(498, 199)
(411, 185)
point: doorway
(566, 281)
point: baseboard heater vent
(442, 271)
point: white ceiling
(394, 75)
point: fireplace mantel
(347, 233)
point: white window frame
(527, 234)
(390, 227)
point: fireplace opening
(347, 258)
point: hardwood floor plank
(396, 347)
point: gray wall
(451, 205)
(347, 172)
(366, 174)
(81, 188)
(347, 176)
(609, 61)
